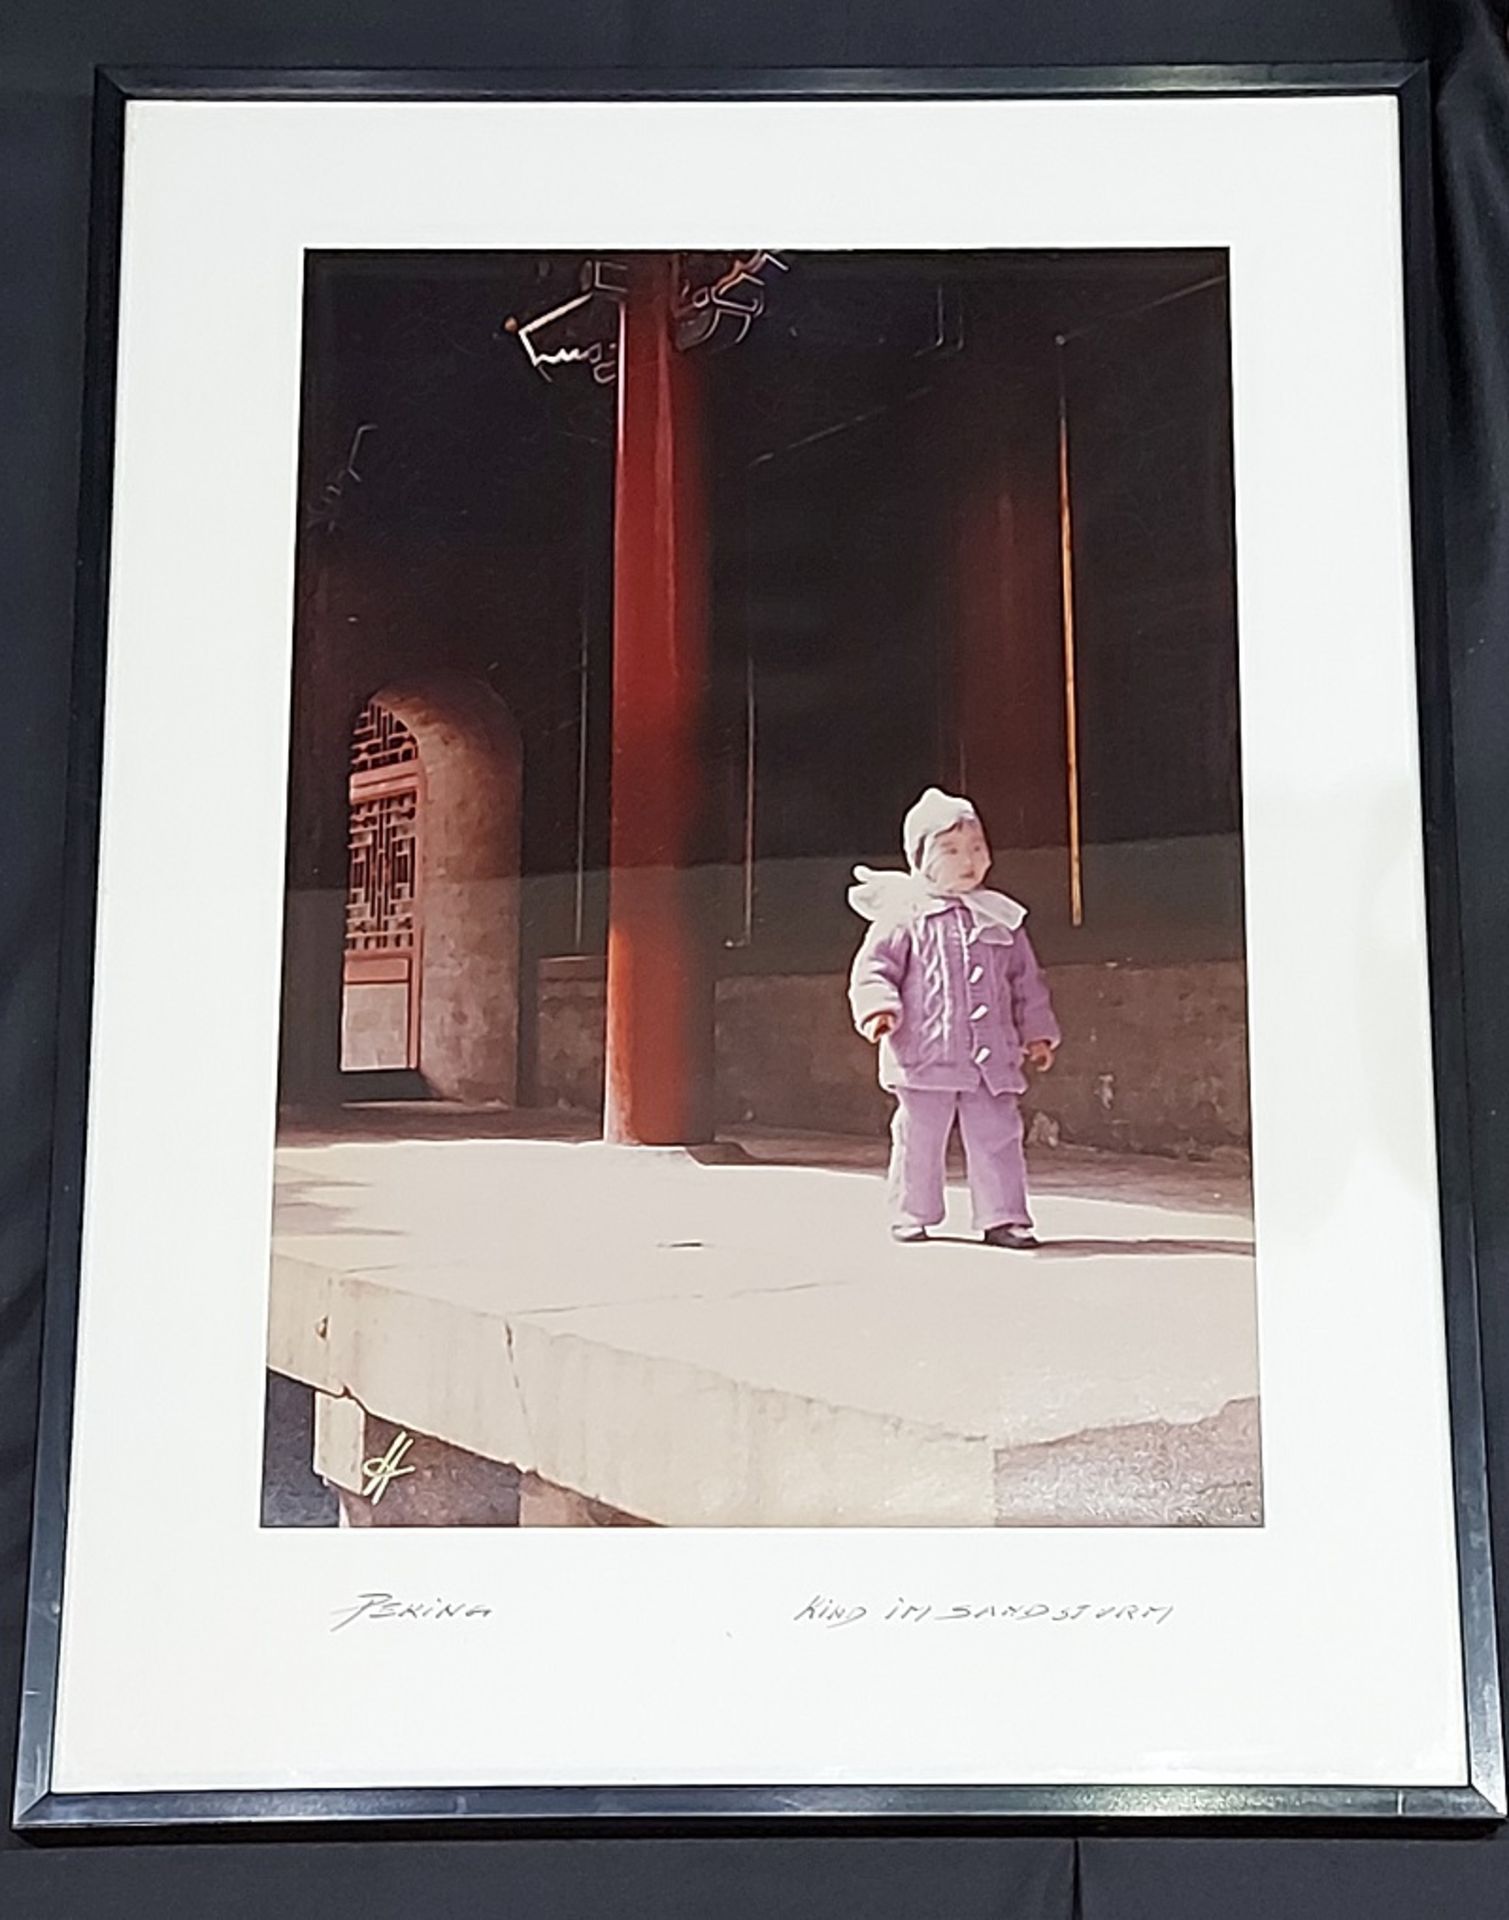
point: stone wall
(1154, 1059)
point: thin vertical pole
(1071, 686)
(583, 693)
(749, 795)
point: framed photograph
(763, 964)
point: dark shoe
(908, 1236)
(1018, 1239)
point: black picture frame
(41, 1810)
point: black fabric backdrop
(47, 53)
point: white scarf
(888, 896)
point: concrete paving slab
(742, 1344)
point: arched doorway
(383, 969)
(430, 991)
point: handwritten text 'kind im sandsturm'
(823, 1611)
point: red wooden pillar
(1009, 645)
(659, 1088)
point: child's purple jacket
(968, 999)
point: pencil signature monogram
(380, 1472)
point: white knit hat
(935, 812)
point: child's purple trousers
(990, 1125)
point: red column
(1009, 651)
(660, 973)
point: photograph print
(763, 1023)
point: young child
(947, 984)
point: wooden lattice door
(384, 933)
